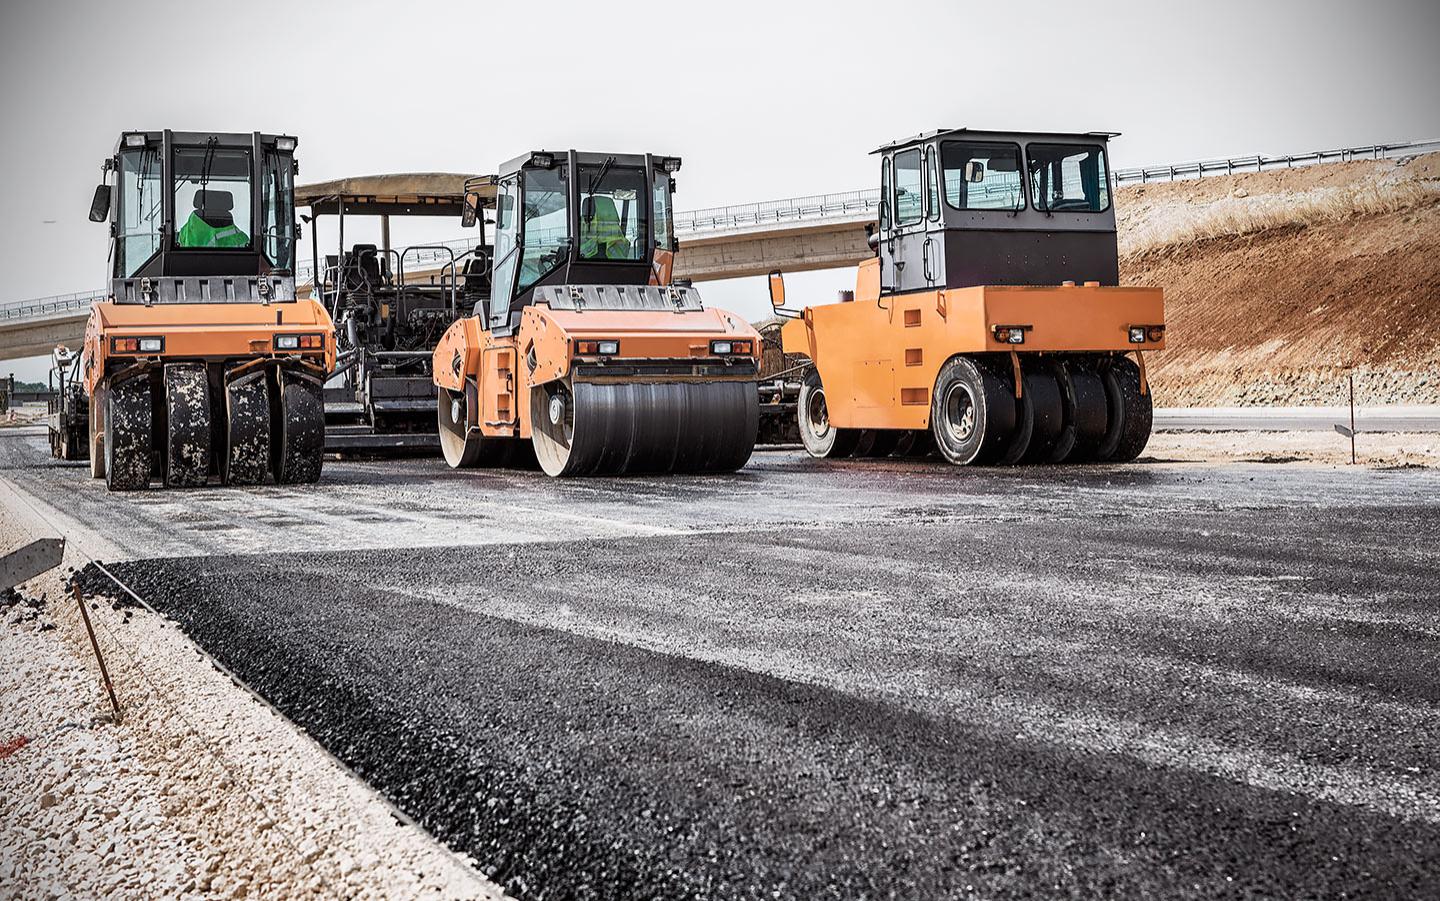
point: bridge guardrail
(60, 303)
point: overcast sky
(763, 100)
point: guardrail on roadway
(849, 204)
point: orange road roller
(990, 326)
(201, 364)
(581, 350)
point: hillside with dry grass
(1280, 283)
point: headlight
(135, 140)
(299, 342)
(608, 348)
(286, 143)
(1137, 334)
(1010, 334)
(719, 348)
(151, 345)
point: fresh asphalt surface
(869, 679)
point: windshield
(613, 219)
(545, 224)
(1069, 177)
(212, 197)
(139, 215)
(982, 176)
(277, 210)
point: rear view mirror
(100, 204)
(471, 211)
(777, 290)
(974, 171)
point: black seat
(215, 206)
(475, 288)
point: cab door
(909, 233)
(932, 255)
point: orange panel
(205, 331)
(853, 344)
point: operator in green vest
(602, 236)
(210, 223)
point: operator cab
(573, 218)
(188, 210)
(960, 208)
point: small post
(1352, 417)
(104, 673)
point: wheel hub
(557, 409)
(454, 409)
(960, 413)
(817, 414)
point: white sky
(762, 99)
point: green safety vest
(196, 232)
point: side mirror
(777, 289)
(975, 171)
(100, 204)
(471, 212)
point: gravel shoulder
(199, 791)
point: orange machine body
(551, 343)
(879, 357)
(204, 332)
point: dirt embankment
(1278, 284)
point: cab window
(908, 203)
(277, 205)
(545, 224)
(932, 187)
(1069, 178)
(660, 203)
(980, 175)
(212, 197)
(505, 257)
(613, 222)
(139, 215)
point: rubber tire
(993, 403)
(187, 425)
(1131, 413)
(877, 442)
(915, 444)
(97, 432)
(299, 452)
(1047, 412)
(825, 442)
(1086, 412)
(246, 460)
(129, 434)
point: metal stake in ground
(1350, 432)
(104, 673)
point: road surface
(860, 680)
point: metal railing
(1261, 163)
(41, 306)
(841, 206)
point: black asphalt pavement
(866, 680)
